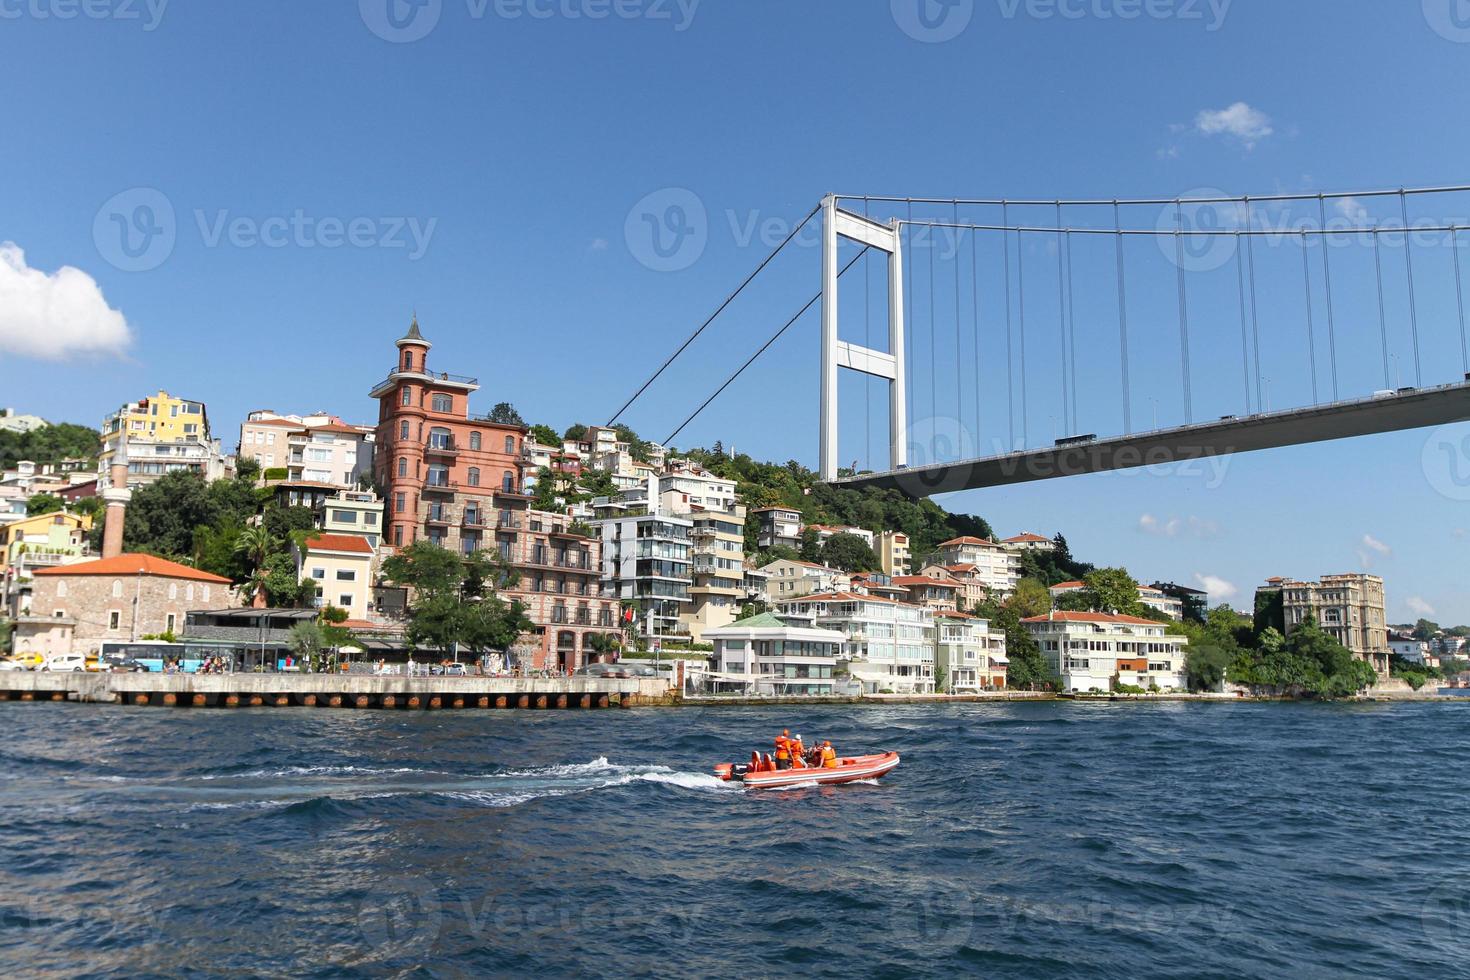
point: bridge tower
(837, 225)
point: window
(173, 590)
(344, 516)
(168, 623)
(403, 429)
(474, 476)
(438, 475)
(508, 482)
(407, 395)
(319, 574)
(510, 445)
(117, 589)
(398, 537)
(114, 620)
(346, 575)
(475, 441)
(206, 593)
(402, 466)
(400, 503)
(61, 589)
(408, 360)
(439, 438)
(443, 403)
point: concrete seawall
(330, 690)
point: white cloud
(1219, 589)
(1198, 527)
(55, 316)
(1352, 209)
(1418, 606)
(1239, 121)
(1369, 541)
(599, 245)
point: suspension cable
(1311, 328)
(1062, 327)
(1250, 246)
(1327, 278)
(1123, 322)
(722, 307)
(1021, 328)
(764, 347)
(1005, 241)
(1413, 303)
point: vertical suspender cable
(975, 315)
(1005, 241)
(908, 328)
(1327, 278)
(1311, 328)
(1072, 331)
(1123, 318)
(1062, 326)
(867, 343)
(959, 384)
(1460, 299)
(1183, 311)
(1245, 344)
(1250, 245)
(1021, 333)
(1413, 304)
(1382, 313)
(933, 349)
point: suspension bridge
(1253, 322)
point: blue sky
(319, 175)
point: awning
(998, 659)
(873, 674)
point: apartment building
(317, 448)
(30, 544)
(934, 592)
(765, 654)
(1026, 541)
(778, 526)
(892, 548)
(1349, 607)
(646, 560)
(341, 566)
(889, 645)
(994, 567)
(787, 579)
(969, 656)
(158, 435)
(11, 422)
(827, 531)
(717, 547)
(688, 488)
(457, 480)
(352, 512)
(1150, 596)
(1093, 652)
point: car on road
(8, 664)
(455, 670)
(66, 662)
(28, 661)
(118, 663)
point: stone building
(1348, 607)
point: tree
(1074, 600)
(779, 552)
(545, 435)
(287, 522)
(1425, 629)
(504, 413)
(811, 544)
(1028, 669)
(256, 544)
(49, 444)
(849, 553)
(305, 640)
(1031, 598)
(162, 517)
(247, 470)
(1113, 590)
(454, 598)
(1206, 665)
(430, 570)
(575, 433)
(43, 503)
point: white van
(66, 662)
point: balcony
(430, 376)
(507, 523)
(440, 486)
(438, 517)
(474, 519)
(441, 447)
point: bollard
(4, 695)
(170, 699)
(435, 702)
(309, 700)
(139, 699)
(361, 701)
(414, 702)
(625, 700)
(198, 700)
(389, 701)
(29, 696)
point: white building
(827, 531)
(1026, 541)
(767, 655)
(318, 448)
(646, 559)
(1094, 651)
(968, 654)
(788, 579)
(11, 422)
(353, 512)
(1413, 650)
(779, 526)
(890, 645)
(992, 566)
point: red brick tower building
(458, 480)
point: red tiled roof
(907, 580)
(354, 543)
(1091, 617)
(1069, 585)
(969, 540)
(1028, 536)
(284, 423)
(135, 564)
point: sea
(1014, 840)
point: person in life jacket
(829, 756)
(798, 751)
(783, 752)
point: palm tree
(257, 545)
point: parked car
(66, 662)
(123, 664)
(455, 670)
(29, 661)
(8, 664)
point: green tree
(1425, 629)
(1028, 669)
(1031, 598)
(811, 545)
(306, 642)
(545, 435)
(43, 503)
(287, 523)
(1113, 590)
(504, 413)
(849, 553)
(49, 444)
(247, 470)
(256, 545)
(161, 518)
(1074, 600)
(1205, 666)
(575, 433)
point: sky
(245, 204)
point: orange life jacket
(829, 758)
(783, 748)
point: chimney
(116, 495)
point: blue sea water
(1015, 840)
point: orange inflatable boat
(760, 773)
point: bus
(190, 655)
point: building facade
(158, 435)
(1349, 607)
(341, 565)
(778, 527)
(893, 553)
(647, 562)
(717, 588)
(790, 579)
(995, 568)
(889, 645)
(1095, 652)
(767, 655)
(968, 656)
(30, 544)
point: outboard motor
(738, 771)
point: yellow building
(163, 434)
(34, 543)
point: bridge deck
(1339, 420)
